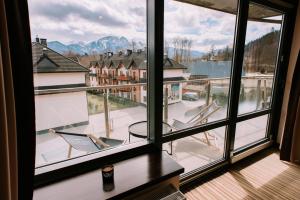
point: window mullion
(238, 54)
(155, 27)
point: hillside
(260, 54)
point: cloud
(88, 20)
(257, 29)
(204, 26)
(62, 11)
(139, 11)
(211, 41)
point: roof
(172, 64)
(45, 60)
(180, 78)
(74, 58)
(136, 60)
(211, 69)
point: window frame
(232, 117)
(155, 27)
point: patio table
(139, 130)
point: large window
(198, 51)
(98, 86)
(260, 57)
(198, 64)
(259, 68)
(85, 96)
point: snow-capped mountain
(109, 43)
(104, 44)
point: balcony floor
(190, 152)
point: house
(55, 71)
(131, 68)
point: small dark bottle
(108, 178)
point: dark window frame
(233, 117)
(155, 12)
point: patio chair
(200, 116)
(86, 142)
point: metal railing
(103, 87)
(206, 84)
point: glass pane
(250, 131)
(197, 62)
(90, 68)
(198, 150)
(262, 40)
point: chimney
(44, 41)
(37, 39)
(110, 54)
(129, 52)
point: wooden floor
(262, 176)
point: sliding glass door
(220, 69)
(258, 74)
(198, 49)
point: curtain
(18, 93)
(8, 137)
(290, 145)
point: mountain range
(104, 44)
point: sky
(70, 21)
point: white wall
(141, 73)
(104, 70)
(172, 99)
(292, 62)
(122, 70)
(143, 94)
(169, 73)
(173, 73)
(60, 109)
(49, 79)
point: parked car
(190, 96)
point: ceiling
(256, 12)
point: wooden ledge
(130, 176)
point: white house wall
(122, 71)
(56, 110)
(173, 73)
(141, 73)
(50, 79)
(143, 94)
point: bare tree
(212, 50)
(176, 48)
(167, 48)
(133, 44)
(227, 54)
(189, 46)
(182, 49)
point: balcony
(134, 79)
(103, 76)
(125, 89)
(111, 113)
(124, 78)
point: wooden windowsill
(130, 176)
